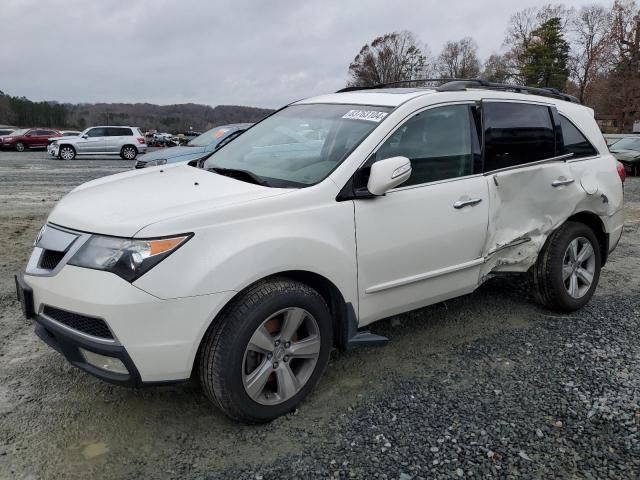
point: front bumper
(52, 149)
(69, 344)
(156, 340)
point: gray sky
(258, 53)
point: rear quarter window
(574, 141)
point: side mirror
(387, 174)
(85, 136)
(29, 135)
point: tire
(66, 152)
(128, 152)
(559, 281)
(258, 382)
(20, 147)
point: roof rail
(399, 82)
(459, 84)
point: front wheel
(267, 351)
(128, 152)
(567, 271)
(20, 147)
(67, 153)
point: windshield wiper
(239, 174)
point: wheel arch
(594, 222)
(342, 312)
(70, 145)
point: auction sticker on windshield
(369, 115)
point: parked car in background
(127, 142)
(25, 138)
(6, 131)
(196, 149)
(612, 138)
(627, 152)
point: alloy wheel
(66, 153)
(578, 267)
(129, 153)
(281, 356)
(20, 147)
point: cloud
(242, 52)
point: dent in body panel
(526, 208)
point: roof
(391, 95)
(388, 97)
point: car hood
(123, 204)
(172, 152)
(626, 154)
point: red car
(25, 138)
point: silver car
(127, 142)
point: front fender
(230, 255)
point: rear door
(118, 136)
(531, 186)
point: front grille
(50, 259)
(91, 326)
(140, 164)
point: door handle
(466, 203)
(562, 182)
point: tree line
(22, 112)
(592, 52)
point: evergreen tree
(545, 60)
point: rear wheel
(567, 271)
(129, 152)
(67, 152)
(20, 147)
(267, 351)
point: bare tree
(591, 45)
(520, 33)
(496, 68)
(459, 59)
(624, 82)
(392, 57)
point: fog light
(110, 364)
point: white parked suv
(127, 142)
(246, 273)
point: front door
(95, 141)
(422, 242)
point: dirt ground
(58, 422)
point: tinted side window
(97, 132)
(438, 143)
(574, 141)
(119, 132)
(516, 134)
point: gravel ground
(485, 386)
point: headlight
(155, 163)
(126, 257)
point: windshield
(22, 131)
(299, 145)
(627, 144)
(211, 137)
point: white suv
(127, 142)
(332, 213)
